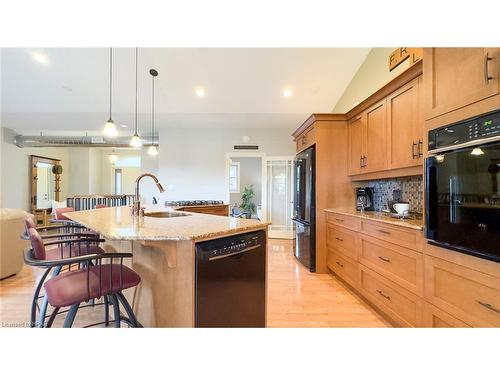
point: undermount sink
(165, 214)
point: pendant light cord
(136, 124)
(110, 79)
(153, 115)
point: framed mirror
(45, 182)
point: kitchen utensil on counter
(401, 208)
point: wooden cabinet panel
(375, 137)
(432, 317)
(399, 264)
(405, 126)
(219, 210)
(402, 306)
(467, 294)
(306, 139)
(356, 147)
(342, 240)
(344, 267)
(345, 221)
(409, 238)
(456, 77)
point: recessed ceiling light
(123, 126)
(200, 92)
(287, 93)
(40, 57)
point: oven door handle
(431, 197)
(233, 254)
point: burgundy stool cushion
(36, 244)
(70, 288)
(100, 206)
(74, 251)
(59, 213)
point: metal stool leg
(106, 311)
(70, 318)
(116, 308)
(35, 298)
(129, 310)
(52, 317)
(45, 302)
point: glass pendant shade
(113, 158)
(110, 129)
(152, 150)
(135, 141)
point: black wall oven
(463, 187)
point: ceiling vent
(245, 147)
(70, 141)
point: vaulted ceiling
(68, 88)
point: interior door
(405, 126)
(279, 207)
(376, 138)
(355, 131)
(456, 77)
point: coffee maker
(364, 199)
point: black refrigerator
(304, 208)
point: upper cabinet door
(456, 77)
(375, 138)
(405, 126)
(355, 128)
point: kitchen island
(164, 244)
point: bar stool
(68, 245)
(90, 280)
(99, 205)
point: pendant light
(113, 158)
(110, 127)
(153, 149)
(136, 140)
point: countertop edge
(381, 219)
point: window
(234, 177)
(118, 181)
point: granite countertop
(116, 223)
(417, 224)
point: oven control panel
(481, 127)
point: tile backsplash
(411, 189)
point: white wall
(15, 171)
(371, 76)
(192, 163)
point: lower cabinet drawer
(346, 221)
(343, 267)
(399, 264)
(402, 306)
(467, 294)
(406, 237)
(436, 318)
(342, 240)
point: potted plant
(247, 204)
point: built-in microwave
(462, 182)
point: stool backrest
(100, 206)
(36, 244)
(29, 222)
(59, 213)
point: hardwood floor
(296, 297)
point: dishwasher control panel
(227, 246)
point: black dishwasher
(231, 281)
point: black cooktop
(192, 203)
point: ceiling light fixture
(153, 149)
(477, 151)
(135, 141)
(200, 92)
(40, 57)
(110, 127)
(113, 158)
(287, 93)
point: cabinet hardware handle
(413, 145)
(339, 239)
(339, 220)
(384, 295)
(361, 162)
(489, 306)
(383, 231)
(487, 77)
(420, 147)
(340, 264)
(384, 259)
(364, 161)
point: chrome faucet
(136, 206)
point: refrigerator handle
(431, 197)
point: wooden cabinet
(368, 140)
(305, 139)
(457, 77)
(356, 145)
(405, 126)
(465, 293)
(343, 241)
(432, 317)
(406, 237)
(219, 210)
(344, 267)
